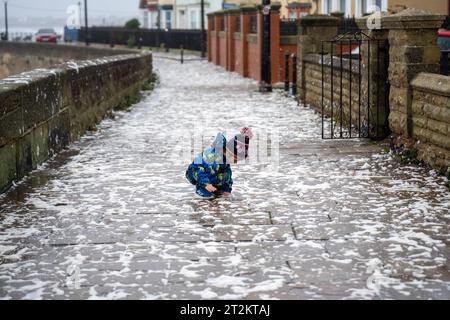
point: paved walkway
(113, 216)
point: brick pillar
(375, 57)
(259, 39)
(413, 49)
(312, 31)
(216, 59)
(275, 41)
(231, 29)
(246, 12)
(210, 27)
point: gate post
(266, 82)
(286, 71)
(375, 82)
(209, 36)
(413, 49)
(312, 31)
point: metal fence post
(286, 71)
(111, 39)
(139, 41)
(182, 54)
(294, 74)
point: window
(153, 19)
(168, 17)
(292, 15)
(368, 6)
(379, 4)
(194, 19)
(329, 6)
(342, 6)
(364, 7)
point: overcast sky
(57, 8)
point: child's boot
(203, 193)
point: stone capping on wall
(76, 52)
(221, 34)
(317, 60)
(433, 83)
(237, 36)
(407, 19)
(320, 20)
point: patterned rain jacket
(211, 167)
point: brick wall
(240, 50)
(352, 107)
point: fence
(174, 38)
(288, 28)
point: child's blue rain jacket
(211, 167)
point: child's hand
(210, 188)
(227, 194)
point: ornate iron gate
(355, 87)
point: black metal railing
(288, 27)
(174, 38)
(237, 23)
(356, 102)
(253, 24)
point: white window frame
(369, 3)
(153, 19)
(196, 21)
(165, 20)
(336, 6)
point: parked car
(47, 35)
(444, 39)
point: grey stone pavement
(113, 217)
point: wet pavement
(113, 217)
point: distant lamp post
(266, 82)
(202, 22)
(86, 28)
(6, 36)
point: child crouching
(210, 171)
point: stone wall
(41, 111)
(431, 118)
(350, 98)
(17, 57)
(412, 93)
(316, 33)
